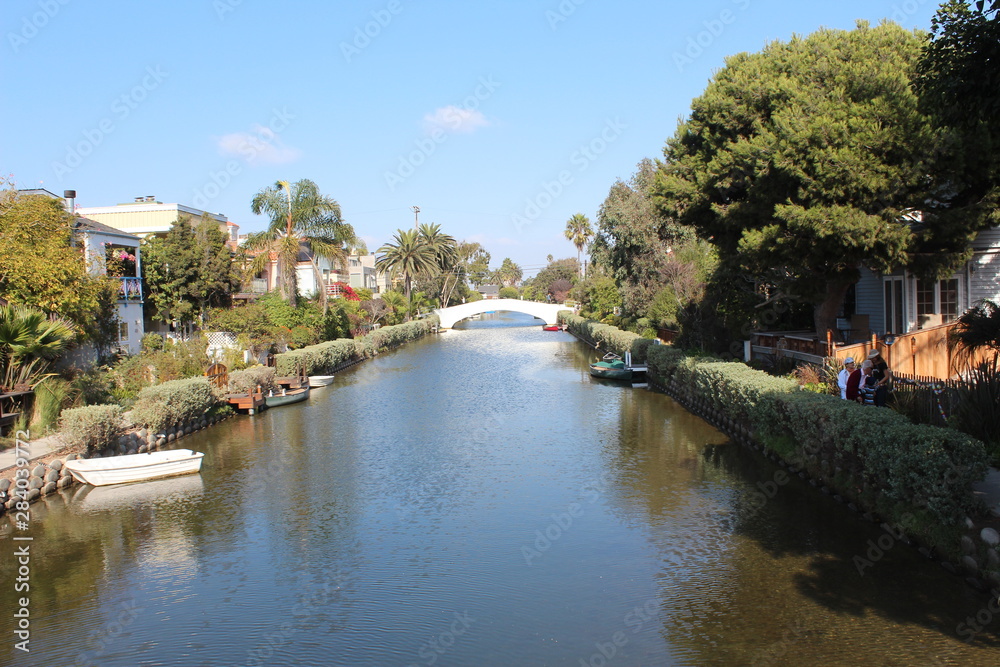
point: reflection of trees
(746, 578)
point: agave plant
(29, 342)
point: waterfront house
(359, 273)
(490, 291)
(899, 302)
(904, 316)
(145, 216)
(112, 252)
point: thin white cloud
(455, 119)
(260, 147)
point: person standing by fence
(882, 376)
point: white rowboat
(135, 467)
(320, 380)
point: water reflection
(476, 499)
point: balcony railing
(130, 289)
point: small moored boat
(135, 467)
(611, 367)
(552, 327)
(320, 380)
(287, 396)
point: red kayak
(551, 327)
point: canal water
(475, 498)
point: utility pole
(416, 218)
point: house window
(949, 299)
(122, 332)
(938, 298)
(925, 297)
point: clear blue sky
(471, 110)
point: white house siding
(984, 282)
(130, 315)
(129, 312)
(868, 299)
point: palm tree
(29, 341)
(409, 256)
(395, 301)
(977, 331)
(578, 231)
(446, 253)
(300, 215)
(509, 273)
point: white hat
(848, 360)
(873, 354)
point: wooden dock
(252, 403)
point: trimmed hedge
(324, 357)
(93, 426)
(607, 337)
(868, 454)
(248, 379)
(175, 402)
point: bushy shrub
(324, 357)
(93, 426)
(151, 342)
(855, 449)
(302, 336)
(247, 380)
(175, 402)
(607, 337)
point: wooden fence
(923, 353)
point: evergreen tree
(188, 271)
(806, 161)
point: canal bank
(384, 521)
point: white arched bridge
(543, 311)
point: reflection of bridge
(543, 311)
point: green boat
(288, 396)
(611, 368)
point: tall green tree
(188, 271)
(299, 215)
(509, 273)
(557, 270)
(471, 262)
(806, 161)
(40, 266)
(579, 232)
(408, 256)
(635, 241)
(959, 85)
